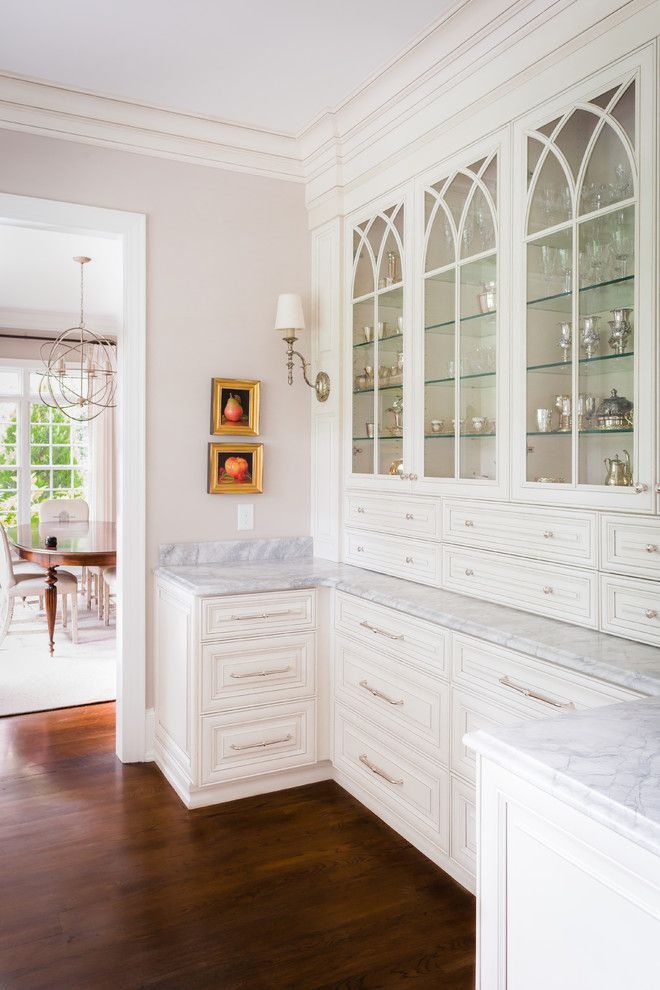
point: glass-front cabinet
(377, 305)
(587, 357)
(460, 306)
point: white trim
(131, 228)
(49, 321)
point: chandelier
(80, 376)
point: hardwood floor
(108, 882)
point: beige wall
(220, 247)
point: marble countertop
(619, 661)
(604, 762)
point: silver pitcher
(619, 473)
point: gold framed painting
(235, 407)
(235, 468)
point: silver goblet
(590, 335)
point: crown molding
(47, 321)
(58, 111)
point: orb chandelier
(80, 377)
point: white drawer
(535, 687)
(257, 671)
(396, 555)
(401, 635)
(394, 514)
(394, 696)
(240, 615)
(563, 593)
(631, 608)
(549, 534)
(463, 847)
(407, 783)
(259, 741)
(469, 713)
(630, 545)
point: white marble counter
(604, 762)
(618, 661)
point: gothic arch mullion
(550, 149)
(605, 121)
(439, 205)
(364, 242)
(389, 227)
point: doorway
(130, 230)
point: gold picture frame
(243, 476)
(242, 395)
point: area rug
(32, 681)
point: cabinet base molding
(200, 797)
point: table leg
(51, 605)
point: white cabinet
(564, 901)
(630, 545)
(413, 559)
(631, 608)
(394, 514)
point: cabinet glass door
(460, 324)
(581, 268)
(377, 344)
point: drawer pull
(547, 590)
(469, 572)
(469, 523)
(262, 745)
(360, 549)
(409, 560)
(379, 694)
(409, 515)
(377, 770)
(651, 613)
(529, 693)
(640, 487)
(651, 548)
(548, 534)
(360, 508)
(379, 631)
(259, 615)
(261, 673)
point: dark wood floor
(108, 882)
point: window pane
(8, 507)
(39, 455)
(61, 479)
(61, 433)
(7, 480)
(41, 479)
(39, 434)
(7, 455)
(61, 455)
(10, 382)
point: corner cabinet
(584, 413)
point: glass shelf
(562, 300)
(565, 367)
(381, 388)
(461, 436)
(582, 433)
(449, 325)
(386, 436)
(476, 379)
(381, 340)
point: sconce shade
(289, 312)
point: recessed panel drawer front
(534, 687)
(259, 741)
(631, 608)
(399, 634)
(630, 545)
(394, 514)
(396, 555)
(469, 713)
(565, 594)
(257, 671)
(409, 784)
(399, 699)
(240, 615)
(463, 825)
(550, 535)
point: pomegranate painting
(233, 411)
(237, 468)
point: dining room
(60, 312)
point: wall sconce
(290, 321)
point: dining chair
(23, 584)
(109, 589)
(69, 510)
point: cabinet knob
(651, 613)
(640, 487)
(360, 508)
(548, 534)
(413, 477)
(360, 549)
(651, 548)
(469, 572)
(469, 523)
(547, 590)
(409, 515)
(409, 560)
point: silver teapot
(618, 472)
(614, 413)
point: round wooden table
(90, 544)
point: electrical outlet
(245, 516)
